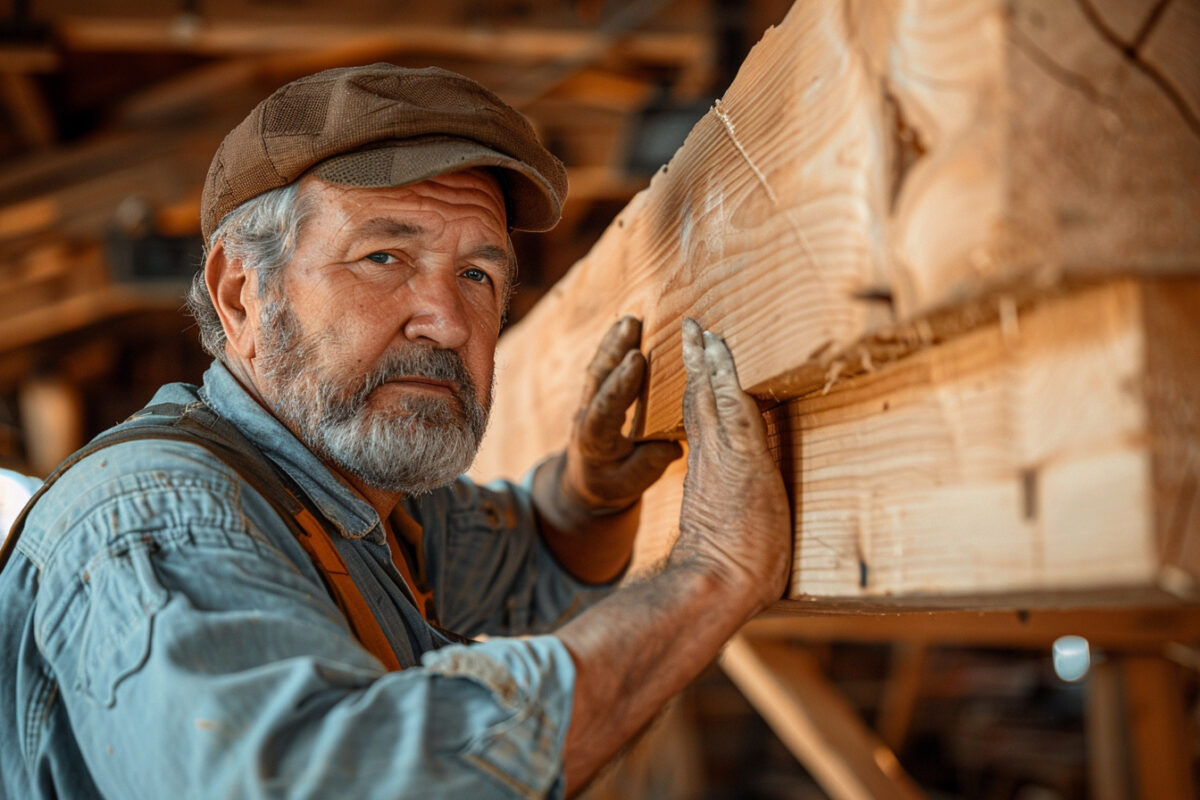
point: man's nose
(438, 314)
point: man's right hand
(645, 641)
(735, 520)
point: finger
(647, 463)
(624, 383)
(624, 335)
(604, 417)
(699, 404)
(737, 410)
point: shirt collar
(353, 516)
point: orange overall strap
(400, 527)
(199, 425)
(345, 591)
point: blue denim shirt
(162, 635)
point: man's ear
(234, 293)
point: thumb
(699, 403)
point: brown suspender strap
(411, 531)
(199, 425)
(316, 542)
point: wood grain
(873, 163)
(765, 237)
(1014, 463)
(930, 182)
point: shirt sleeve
(196, 655)
(489, 568)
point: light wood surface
(874, 163)
(1015, 465)
(910, 222)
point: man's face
(376, 347)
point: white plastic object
(1072, 658)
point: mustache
(419, 362)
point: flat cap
(383, 125)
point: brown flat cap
(383, 125)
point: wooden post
(1107, 745)
(815, 722)
(1161, 740)
(901, 693)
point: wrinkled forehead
(472, 193)
(343, 219)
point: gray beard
(412, 448)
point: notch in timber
(874, 294)
(1029, 493)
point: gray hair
(261, 233)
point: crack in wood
(758, 173)
(907, 146)
(1132, 53)
(1057, 72)
(1148, 24)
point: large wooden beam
(910, 221)
(1043, 461)
(871, 163)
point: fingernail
(691, 335)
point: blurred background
(110, 111)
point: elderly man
(248, 589)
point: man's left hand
(603, 472)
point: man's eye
(382, 258)
(477, 275)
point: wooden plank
(716, 232)
(1161, 737)
(1012, 459)
(30, 111)
(1048, 460)
(901, 693)
(816, 723)
(31, 216)
(79, 311)
(48, 273)
(1149, 629)
(1108, 764)
(28, 58)
(169, 170)
(811, 206)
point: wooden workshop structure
(954, 246)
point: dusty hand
(603, 471)
(735, 519)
